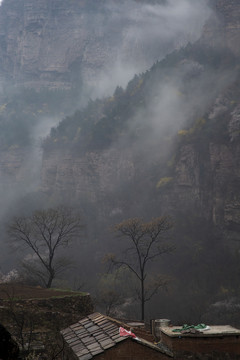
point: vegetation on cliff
(104, 122)
(22, 109)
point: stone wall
(40, 320)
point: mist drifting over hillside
(118, 109)
(147, 32)
(107, 43)
(101, 44)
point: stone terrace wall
(42, 319)
(49, 312)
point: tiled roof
(94, 334)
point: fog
(146, 34)
(141, 34)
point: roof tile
(86, 357)
(93, 328)
(93, 347)
(107, 342)
(97, 351)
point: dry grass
(18, 291)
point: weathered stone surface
(223, 28)
(49, 43)
(83, 175)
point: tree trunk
(142, 299)
(50, 279)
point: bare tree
(45, 232)
(146, 244)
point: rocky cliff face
(92, 177)
(207, 185)
(42, 42)
(206, 176)
(205, 181)
(222, 29)
(55, 44)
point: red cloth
(124, 332)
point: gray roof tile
(97, 351)
(85, 357)
(92, 347)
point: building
(217, 342)
(97, 336)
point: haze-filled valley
(126, 110)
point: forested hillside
(164, 141)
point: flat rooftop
(213, 331)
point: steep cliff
(58, 44)
(43, 41)
(204, 174)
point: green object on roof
(188, 327)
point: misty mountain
(137, 113)
(56, 56)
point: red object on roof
(124, 332)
